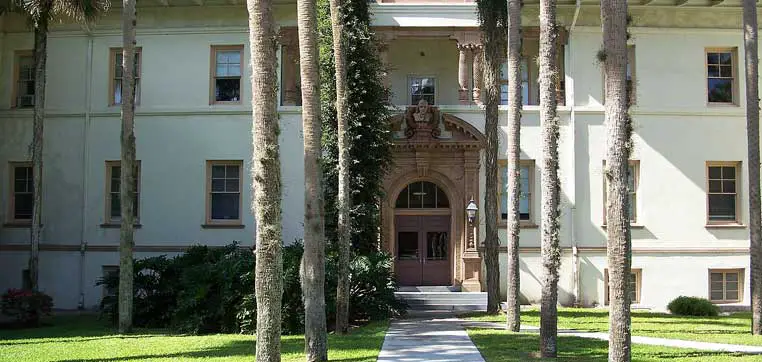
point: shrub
(26, 306)
(692, 306)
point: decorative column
(291, 95)
(478, 73)
(472, 261)
(463, 72)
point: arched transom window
(422, 195)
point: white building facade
(193, 128)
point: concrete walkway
(653, 341)
(428, 337)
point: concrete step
(437, 299)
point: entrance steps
(442, 298)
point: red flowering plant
(26, 306)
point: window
(629, 75)
(633, 179)
(224, 192)
(634, 285)
(722, 195)
(726, 285)
(107, 271)
(22, 192)
(226, 73)
(113, 185)
(721, 73)
(422, 195)
(526, 183)
(24, 80)
(423, 88)
(26, 279)
(530, 70)
(527, 88)
(116, 76)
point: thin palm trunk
(128, 169)
(493, 47)
(40, 59)
(266, 179)
(344, 200)
(618, 129)
(513, 314)
(551, 253)
(313, 262)
(752, 134)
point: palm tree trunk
(619, 129)
(551, 253)
(266, 179)
(494, 45)
(752, 134)
(513, 314)
(344, 199)
(128, 169)
(40, 59)
(313, 262)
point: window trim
(107, 209)
(741, 285)
(208, 197)
(409, 90)
(739, 187)
(112, 74)
(213, 72)
(17, 73)
(734, 63)
(635, 165)
(12, 194)
(638, 285)
(522, 162)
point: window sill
(522, 225)
(722, 105)
(223, 226)
(18, 225)
(725, 226)
(727, 302)
(632, 226)
(117, 226)
(225, 103)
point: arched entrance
(422, 220)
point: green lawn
(503, 346)
(733, 329)
(87, 339)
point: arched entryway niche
(433, 152)
(422, 220)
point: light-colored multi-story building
(193, 127)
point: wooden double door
(423, 250)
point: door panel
(423, 245)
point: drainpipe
(85, 167)
(575, 251)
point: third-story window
(22, 192)
(117, 76)
(526, 179)
(722, 195)
(24, 87)
(720, 73)
(224, 192)
(423, 88)
(226, 73)
(114, 179)
(526, 87)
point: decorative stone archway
(441, 148)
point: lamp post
(471, 210)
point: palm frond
(81, 11)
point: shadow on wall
(565, 297)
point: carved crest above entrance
(425, 126)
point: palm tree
(618, 128)
(752, 134)
(513, 314)
(550, 251)
(128, 169)
(492, 18)
(40, 13)
(313, 262)
(266, 179)
(344, 198)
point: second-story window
(226, 73)
(22, 192)
(722, 196)
(720, 73)
(117, 76)
(24, 87)
(423, 88)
